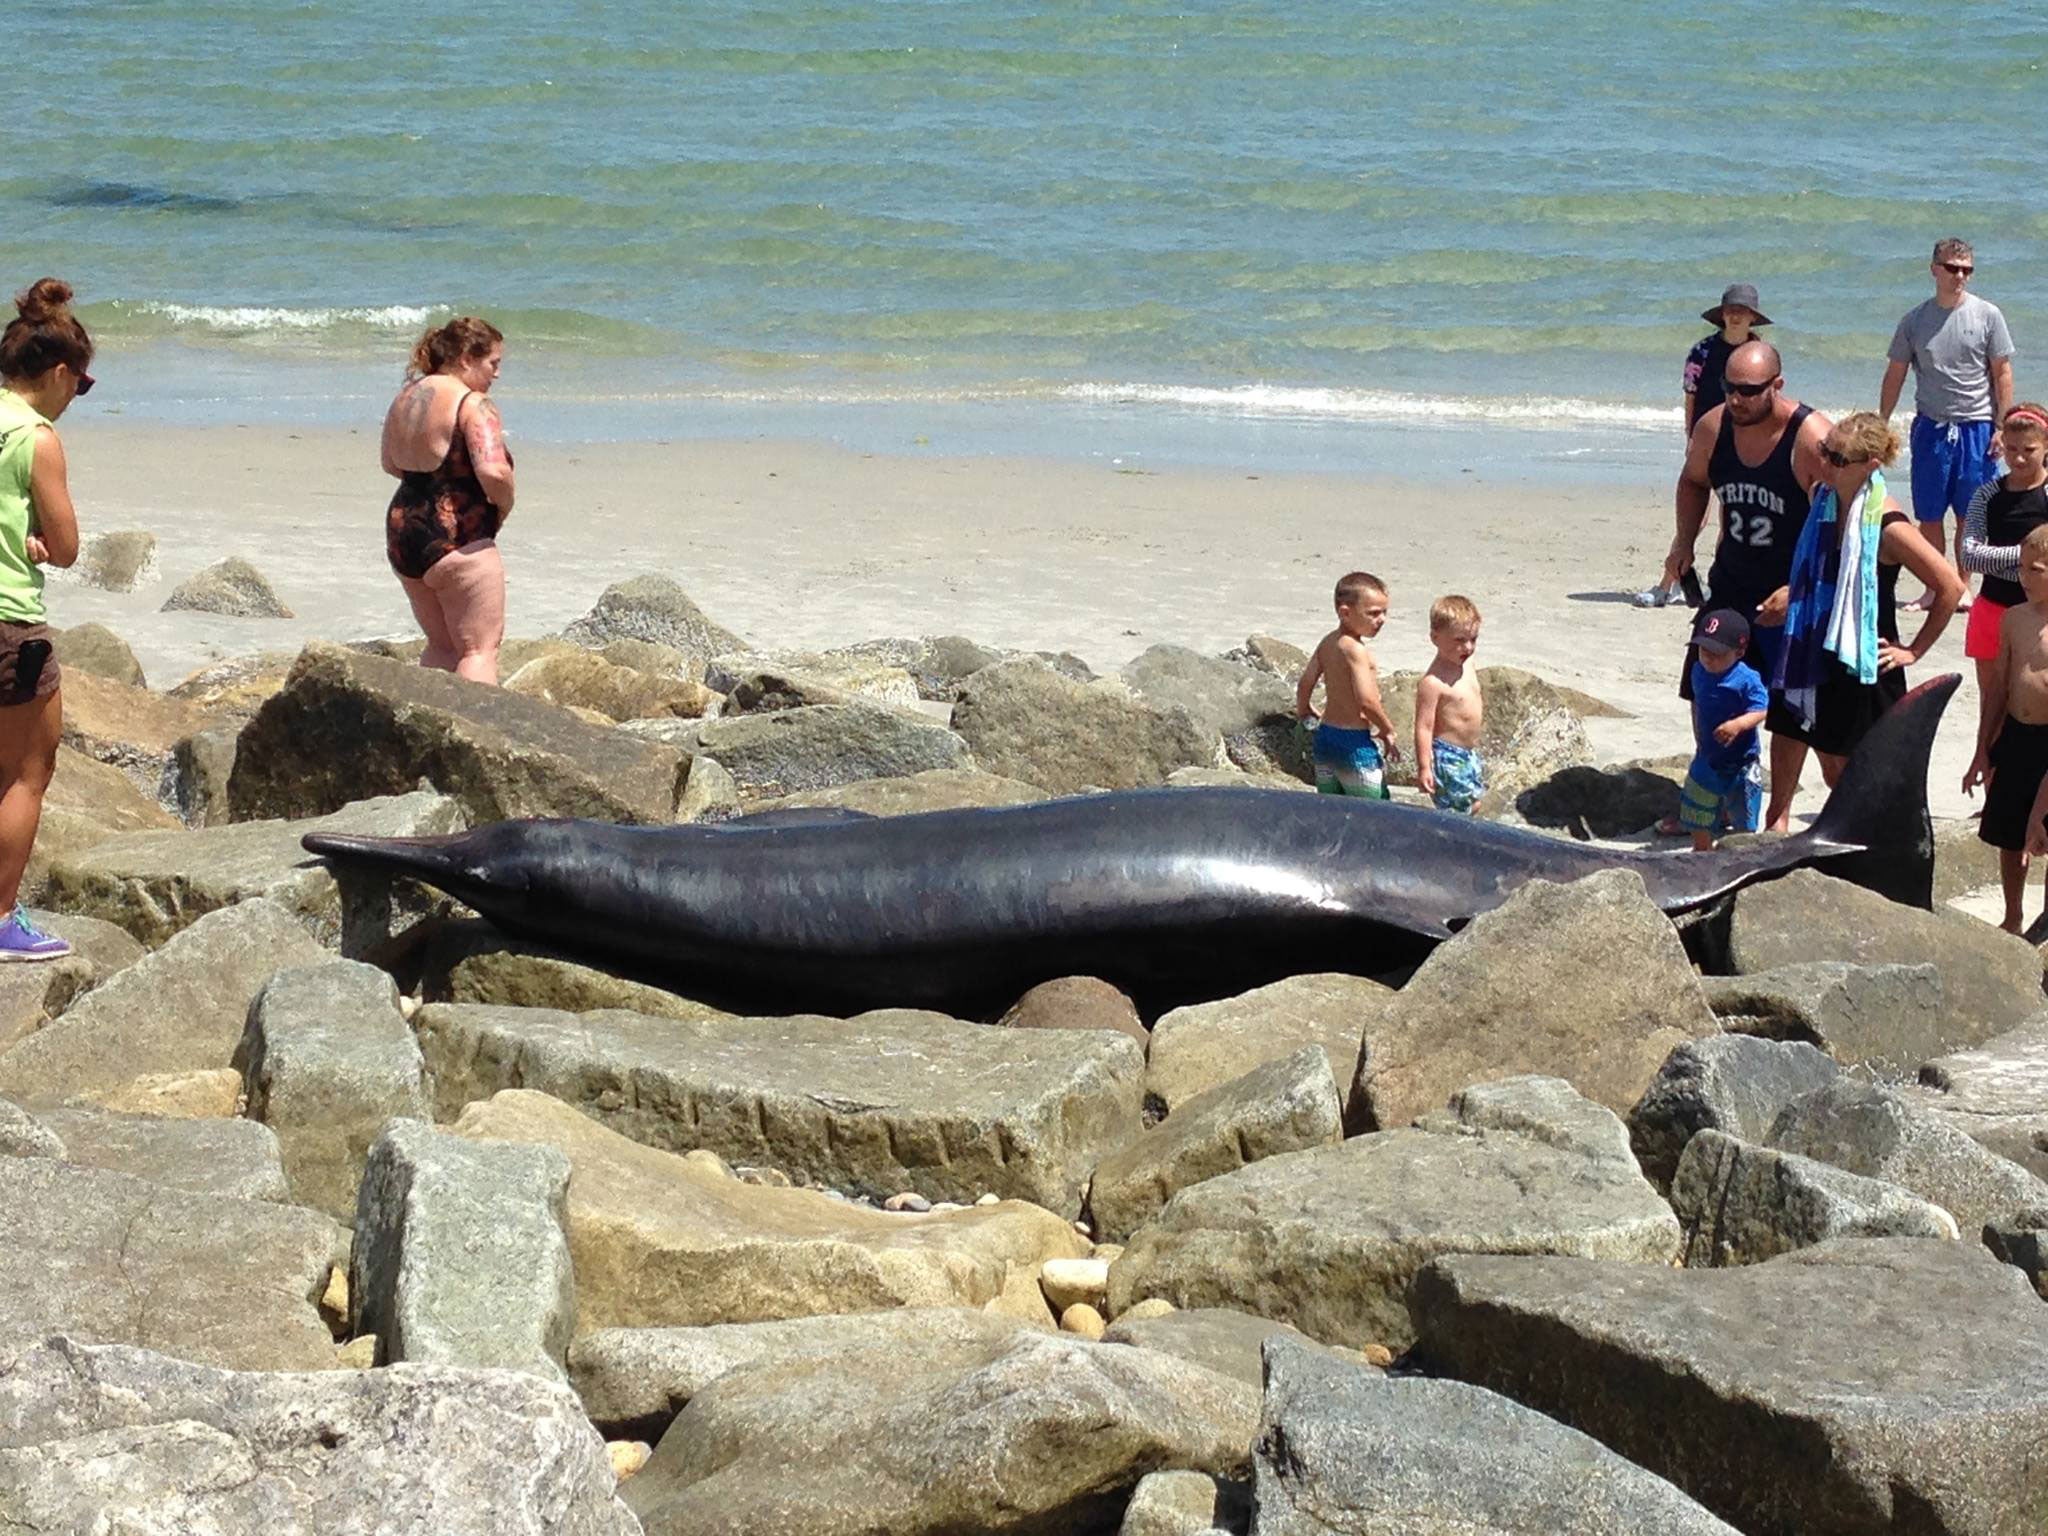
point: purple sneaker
(20, 939)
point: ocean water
(1351, 234)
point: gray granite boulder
(1221, 696)
(1032, 1433)
(652, 608)
(1025, 721)
(1594, 802)
(1991, 981)
(346, 726)
(460, 1256)
(1880, 1134)
(1283, 658)
(1533, 729)
(1220, 1339)
(1742, 1204)
(1865, 1385)
(1586, 981)
(821, 745)
(115, 1439)
(201, 766)
(109, 1258)
(910, 794)
(179, 1010)
(328, 1059)
(472, 962)
(1187, 1504)
(25, 1135)
(1329, 1239)
(1206, 1045)
(1076, 1002)
(1996, 1093)
(761, 684)
(32, 995)
(583, 680)
(88, 802)
(1288, 1105)
(661, 1240)
(97, 649)
(2023, 1244)
(1889, 1018)
(1733, 1083)
(233, 1158)
(1348, 1452)
(156, 884)
(634, 1381)
(888, 1101)
(231, 587)
(119, 560)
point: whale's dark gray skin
(1173, 894)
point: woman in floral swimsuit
(444, 443)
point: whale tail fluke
(1878, 809)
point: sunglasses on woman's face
(85, 381)
(1839, 460)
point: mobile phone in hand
(1689, 584)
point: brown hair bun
(44, 333)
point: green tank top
(21, 580)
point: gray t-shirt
(1952, 351)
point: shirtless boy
(1449, 710)
(2012, 742)
(1349, 759)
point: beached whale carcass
(1172, 894)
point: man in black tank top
(1758, 453)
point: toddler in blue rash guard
(1449, 710)
(1355, 727)
(1725, 783)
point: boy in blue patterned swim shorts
(1724, 785)
(1355, 729)
(1449, 711)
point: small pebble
(1068, 1281)
(1379, 1355)
(990, 1200)
(334, 1299)
(408, 1006)
(628, 1456)
(357, 1354)
(769, 1178)
(1144, 1311)
(711, 1161)
(1085, 1230)
(1082, 1319)
(947, 1205)
(909, 1200)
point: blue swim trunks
(1715, 797)
(1348, 763)
(1949, 464)
(1460, 776)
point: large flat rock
(347, 725)
(234, 1158)
(1024, 720)
(892, 1100)
(469, 961)
(1287, 1105)
(911, 794)
(328, 1059)
(634, 1381)
(157, 884)
(1328, 1240)
(1868, 1385)
(659, 1240)
(1215, 1338)
(126, 728)
(1206, 1045)
(817, 746)
(32, 995)
(177, 1011)
(1032, 1434)
(1990, 980)
(460, 1256)
(1997, 1094)
(1349, 1452)
(1889, 1018)
(1586, 981)
(111, 1439)
(109, 1258)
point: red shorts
(26, 677)
(1980, 639)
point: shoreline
(799, 544)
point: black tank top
(2009, 516)
(1762, 512)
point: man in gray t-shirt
(1961, 356)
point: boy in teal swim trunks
(1355, 731)
(1449, 711)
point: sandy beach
(805, 545)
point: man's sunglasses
(1749, 391)
(1959, 268)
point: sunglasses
(85, 381)
(1749, 391)
(1960, 269)
(1839, 460)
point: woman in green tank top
(44, 353)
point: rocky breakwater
(329, 1208)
